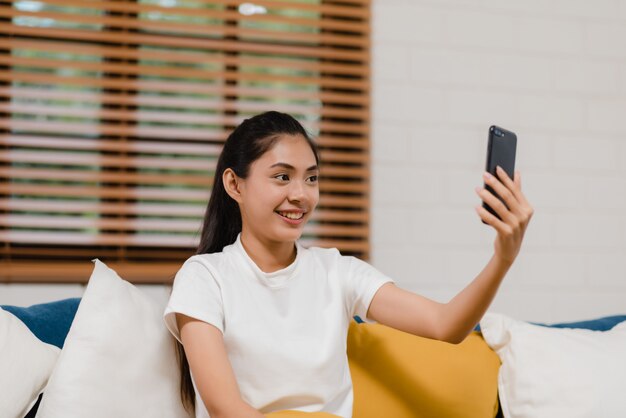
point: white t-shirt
(285, 332)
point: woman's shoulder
(332, 257)
(319, 250)
(213, 262)
(327, 255)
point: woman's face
(281, 191)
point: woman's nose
(296, 190)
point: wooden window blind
(113, 114)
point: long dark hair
(222, 219)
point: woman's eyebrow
(290, 167)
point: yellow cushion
(399, 375)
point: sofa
(108, 354)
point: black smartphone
(501, 150)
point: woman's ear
(231, 184)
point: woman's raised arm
(453, 321)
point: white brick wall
(31, 294)
(555, 73)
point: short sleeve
(361, 282)
(197, 294)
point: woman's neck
(267, 255)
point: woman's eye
(281, 175)
(313, 178)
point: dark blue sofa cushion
(600, 324)
(50, 322)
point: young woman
(263, 320)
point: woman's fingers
(526, 211)
(513, 209)
(491, 220)
(519, 210)
(504, 187)
(515, 185)
(518, 190)
(496, 204)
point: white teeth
(294, 216)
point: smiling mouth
(292, 216)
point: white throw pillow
(118, 359)
(25, 365)
(554, 372)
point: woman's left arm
(453, 321)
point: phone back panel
(501, 151)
